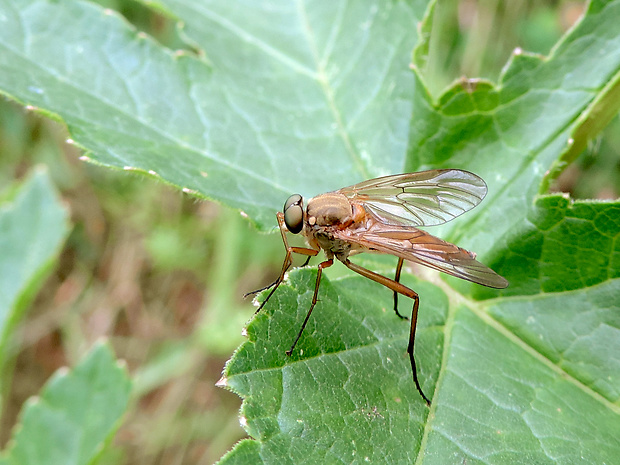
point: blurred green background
(162, 275)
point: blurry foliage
(163, 275)
(160, 274)
(475, 38)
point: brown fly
(382, 215)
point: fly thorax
(331, 209)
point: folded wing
(420, 247)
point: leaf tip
(222, 382)
(32, 401)
(121, 364)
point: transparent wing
(420, 247)
(426, 198)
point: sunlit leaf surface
(309, 97)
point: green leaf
(76, 413)
(537, 261)
(308, 97)
(33, 228)
(511, 373)
(243, 126)
(346, 393)
(512, 133)
(566, 270)
(501, 402)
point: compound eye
(294, 213)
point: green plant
(312, 97)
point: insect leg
(286, 264)
(404, 290)
(399, 267)
(248, 294)
(325, 264)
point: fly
(382, 215)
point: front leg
(286, 264)
(325, 264)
